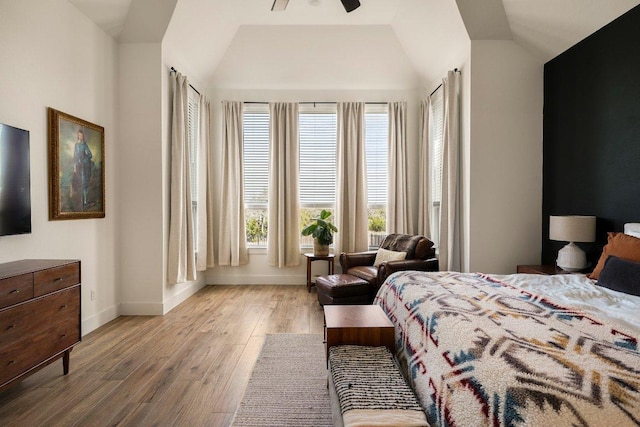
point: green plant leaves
(321, 229)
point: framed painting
(76, 167)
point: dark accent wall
(591, 157)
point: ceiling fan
(349, 5)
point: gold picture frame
(76, 167)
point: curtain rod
(173, 70)
(455, 70)
(311, 102)
(434, 91)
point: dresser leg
(65, 362)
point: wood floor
(187, 368)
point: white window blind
(318, 134)
(255, 128)
(376, 119)
(256, 155)
(436, 134)
(376, 141)
(193, 123)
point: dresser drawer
(57, 278)
(30, 351)
(60, 306)
(16, 289)
(18, 322)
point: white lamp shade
(572, 228)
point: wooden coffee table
(358, 325)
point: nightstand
(358, 325)
(541, 269)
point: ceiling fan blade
(279, 5)
(350, 5)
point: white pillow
(385, 255)
(632, 229)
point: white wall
(140, 178)
(433, 35)
(315, 57)
(54, 56)
(504, 163)
(144, 180)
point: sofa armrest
(387, 268)
(355, 259)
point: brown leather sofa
(420, 256)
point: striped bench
(370, 390)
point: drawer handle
(11, 362)
(63, 336)
(57, 279)
(15, 291)
(63, 306)
(11, 327)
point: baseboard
(141, 309)
(159, 309)
(253, 279)
(92, 323)
(182, 296)
(102, 318)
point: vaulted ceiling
(203, 30)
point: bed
(515, 350)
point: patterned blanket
(478, 352)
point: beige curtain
(205, 215)
(424, 172)
(283, 239)
(399, 217)
(351, 180)
(181, 262)
(450, 242)
(232, 244)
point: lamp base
(571, 258)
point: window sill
(261, 250)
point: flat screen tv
(15, 182)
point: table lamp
(572, 228)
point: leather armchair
(420, 256)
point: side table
(358, 325)
(310, 258)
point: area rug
(288, 386)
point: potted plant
(322, 231)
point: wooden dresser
(39, 316)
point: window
(318, 135)
(376, 140)
(436, 118)
(255, 129)
(193, 123)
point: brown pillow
(621, 245)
